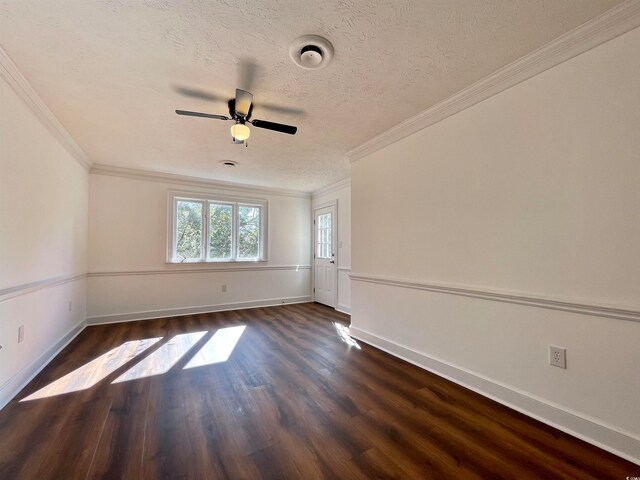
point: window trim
(173, 196)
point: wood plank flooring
(144, 400)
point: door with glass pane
(324, 255)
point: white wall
(43, 243)
(130, 279)
(340, 192)
(533, 192)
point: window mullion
(205, 231)
(234, 234)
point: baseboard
(343, 308)
(15, 384)
(607, 437)
(176, 312)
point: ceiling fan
(240, 110)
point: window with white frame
(216, 229)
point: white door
(324, 221)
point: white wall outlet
(70, 305)
(557, 356)
(224, 288)
(20, 333)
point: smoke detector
(311, 52)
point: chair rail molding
(18, 290)
(608, 311)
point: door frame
(334, 239)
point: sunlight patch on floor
(91, 373)
(218, 349)
(343, 333)
(163, 359)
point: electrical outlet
(70, 305)
(224, 288)
(20, 333)
(557, 356)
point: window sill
(225, 263)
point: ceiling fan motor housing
(311, 52)
(240, 110)
(232, 111)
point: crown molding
(608, 311)
(601, 29)
(151, 176)
(345, 182)
(10, 73)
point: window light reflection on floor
(163, 359)
(343, 333)
(218, 349)
(91, 373)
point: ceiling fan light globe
(240, 131)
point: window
(323, 237)
(215, 229)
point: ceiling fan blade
(243, 102)
(199, 94)
(203, 115)
(278, 127)
(280, 109)
(247, 73)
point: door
(324, 221)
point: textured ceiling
(110, 70)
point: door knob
(332, 261)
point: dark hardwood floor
(156, 399)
